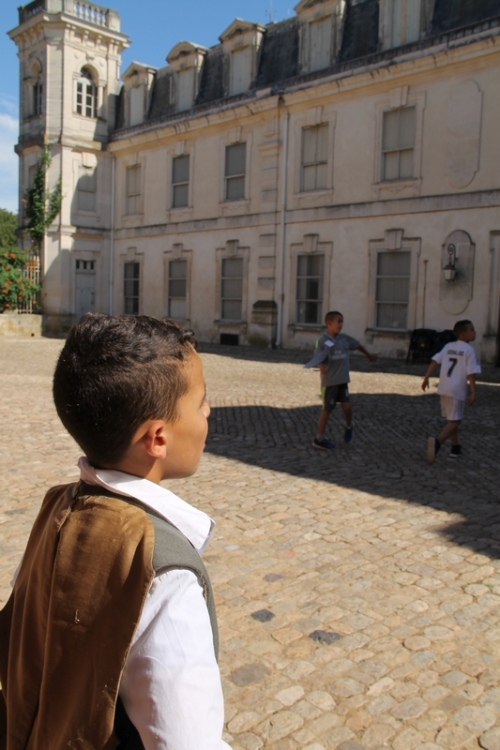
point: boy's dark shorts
(333, 394)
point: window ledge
(179, 214)
(230, 208)
(231, 325)
(313, 198)
(390, 188)
(379, 333)
(310, 328)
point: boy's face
(469, 334)
(186, 436)
(334, 326)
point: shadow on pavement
(387, 457)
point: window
(86, 190)
(320, 38)
(86, 95)
(405, 22)
(231, 288)
(37, 101)
(398, 143)
(314, 158)
(241, 67)
(185, 89)
(177, 287)
(180, 181)
(131, 288)
(392, 289)
(133, 178)
(309, 288)
(235, 172)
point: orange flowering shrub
(15, 288)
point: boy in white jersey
(459, 366)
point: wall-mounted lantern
(450, 269)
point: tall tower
(70, 55)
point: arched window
(86, 94)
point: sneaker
(433, 446)
(323, 445)
(348, 434)
(456, 451)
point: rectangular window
(131, 288)
(86, 100)
(393, 289)
(398, 143)
(235, 171)
(37, 98)
(241, 69)
(185, 89)
(309, 288)
(314, 158)
(177, 287)
(320, 42)
(133, 179)
(180, 181)
(231, 288)
(86, 189)
(405, 19)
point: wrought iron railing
(31, 272)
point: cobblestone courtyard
(358, 593)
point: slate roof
(279, 58)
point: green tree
(42, 206)
(8, 226)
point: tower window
(86, 95)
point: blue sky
(154, 27)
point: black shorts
(333, 394)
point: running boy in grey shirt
(332, 358)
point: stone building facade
(339, 159)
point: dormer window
(400, 22)
(186, 61)
(241, 41)
(138, 80)
(185, 89)
(320, 44)
(86, 94)
(241, 71)
(405, 26)
(321, 32)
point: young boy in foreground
(109, 639)
(459, 366)
(332, 358)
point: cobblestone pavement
(358, 592)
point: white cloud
(9, 128)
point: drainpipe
(112, 235)
(424, 293)
(281, 295)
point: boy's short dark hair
(332, 315)
(461, 326)
(113, 374)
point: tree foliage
(8, 226)
(42, 206)
(15, 288)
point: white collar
(193, 523)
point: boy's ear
(154, 439)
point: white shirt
(170, 686)
(458, 360)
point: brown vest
(67, 628)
